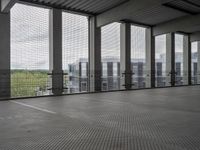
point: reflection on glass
(75, 52)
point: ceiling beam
(125, 11)
(6, 5)
(166, 1)
(194, 37)
(49, 5)
(187, 24)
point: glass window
(194, 61)
(75, 50)
(110, 56)
(29, 51)
(179, 59)
(83, 69)
(138, 56)
(105, 70)
(160, 61)
(115, 69)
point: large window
(179, 60)
(161, 71)
(29, 51)
(75, 52)
(138, 56)
(110, 56)
(194, 61)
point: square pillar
(186, 60)
(56, 51)
(170, 59)
(95, 74)
(150, 59)
(5, 82)
(125, 56)
(110, 75)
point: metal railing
(39, 83)
(29, 83)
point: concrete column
(170, 59)
(94, 56)
(110, 75)
(186, 60)
(153, 61)
(56, 51)
(5, 91)
(6, 5)
(198, 63)
(80, 76)
(149, 60)
(125, 56)
(119, 75)
(189, 61)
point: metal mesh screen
(110, 55)
(179, 59)
(138, 56)
(160, 61)
(194, 63)
(29, 51)
(75, 52)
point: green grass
(25, 83)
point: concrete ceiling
(162, 15)
(93, 7)
(188, 24)
(149, 12)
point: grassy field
(26, 83)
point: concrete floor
(155, 119)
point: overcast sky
(30, 39)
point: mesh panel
(194, 63)
(138, 56)
(110, 55)
(75, 52)
(160, 60)
(29, 50)
(179, 59)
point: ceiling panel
(86, 6)
(149, 15)
(188, 6)
(155, 15)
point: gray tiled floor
(155, 119)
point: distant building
(78, 81)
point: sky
(30, 39)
